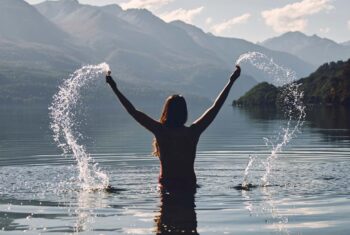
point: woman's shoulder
(183, 130)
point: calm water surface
(309, 192)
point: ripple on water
(33, 196)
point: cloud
(148, 4)
(228, 24)
(181, 14)
(349, 24)
(292, 17)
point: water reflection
(177, 213)
(87, 203)
(330, 121)
(262, 112)
(267, 207)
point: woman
(175, 144)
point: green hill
(328, 85)
(262, 94)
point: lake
(309, 190)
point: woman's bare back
(177, 147)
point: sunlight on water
(64, 112)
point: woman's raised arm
(206, 119)
(146, 121)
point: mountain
(312, 49)
(136, 35)
(169, 36)
(34, 53)
(347, 43)
(30, 39)
(20, 21)
(229, 48)
(328, 85)
(142, 49)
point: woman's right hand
(237, 73)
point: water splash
(64, 123)
(291, 104)
(245, 183)
(294, 112)
(279, 75)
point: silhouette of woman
(175, 144)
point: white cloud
(349, 24)
(325, 30)
(292, 17)
(223, 26)
(148, 4)
(181, 14)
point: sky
(253, 20)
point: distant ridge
(313, 49)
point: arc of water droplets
(292, 104)
(280, 75)
(63, 112)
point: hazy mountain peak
(113, 7)
(18, 4)
(31, 26)
(62, 3)
(187, 27)
(313, 49)
(297, 35)
(294, 34)
(56, 9)
(70, 2)
(140, 11)
(143, 15)
(12, 2)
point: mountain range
(41, 44)
(312, 49)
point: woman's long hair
(174, 115)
